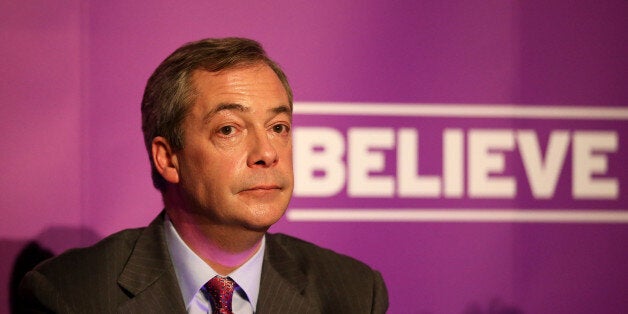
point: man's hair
(170, 91)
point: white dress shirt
(192, 273)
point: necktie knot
(219, 291)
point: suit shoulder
(341, 284)
(109, 253)
(66, 283)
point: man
(217, 119)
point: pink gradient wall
(72, 75)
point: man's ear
(165, 160)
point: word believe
(328, 161)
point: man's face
(236, 164)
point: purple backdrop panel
(461, 212)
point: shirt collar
(192, 272)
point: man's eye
(280, 128)
(227, 130)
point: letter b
(318, 167)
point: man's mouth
(265, 187)
(262, 188)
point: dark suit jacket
(131, 272)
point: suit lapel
(149, 276)
(283, 283)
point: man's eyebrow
(282, 109)
(223, 107)
(239, 107)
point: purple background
(74, 167)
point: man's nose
(262, 153)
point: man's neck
(223, 248)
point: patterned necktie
(219, 291)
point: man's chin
(261, 221)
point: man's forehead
(229, 85)
(258, 78)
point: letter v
(543, 173)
